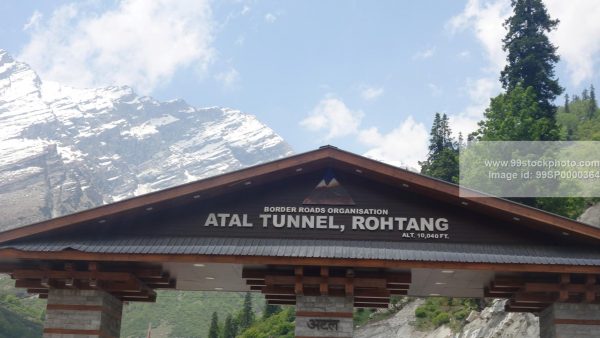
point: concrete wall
(324, 316)
(564, 320)
(81, 314)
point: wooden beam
(60, 274)
(371, 305)
(359, 282)
(547, 287)
(590, 292)
(505, 285)
(371, 300)
(259, 282)
(534, 298)
(281, 302)
(298, 286)
(171, 285)
(398, 278)
(324, 282)
(397, 287)
(496, 293)
(375, 293)
(563, 293)
(529, 306)
(280, 297)
(521, 310)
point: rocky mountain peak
(64, 149)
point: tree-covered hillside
(175, 314)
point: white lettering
(211, 220)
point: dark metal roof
(394, 251)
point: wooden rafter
(535, 292)
(128, 283)
(368, 289)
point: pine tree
(270, 310)
(247, 315)
(213, 330)
(531, 56)
(229, 329)
(592, 105)
(442, 159)
(585, 95)
(567, 109)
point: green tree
(213, 330)
(270, 310)
(531, 57)
(230, 327)
(247, 315)
(592, 105)
(516, 116)
(567, 109)
(442, 159)
(280, 325)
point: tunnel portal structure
(325, 231)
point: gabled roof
(322, 157)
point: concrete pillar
(565, 320)
(324, 316)
(82, 314)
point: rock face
(591, 216)
(491, 322)
(400, 325)
(494, 322)
(64, 149)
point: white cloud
(371, 93)
(33, 21)
(424, 54)
(333, 116)
(577, 36)
(404, 146)
(479, 91)
(485, 19)
(139, 43)
(228, 78)
(245, 10)
(270, 17)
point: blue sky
(366, 76)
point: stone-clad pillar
(565, 320)
(82, 313)
(324, 316)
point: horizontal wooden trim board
(72, 331)
(74, 307)
(323, 314)
(577, 321)
(341, 262)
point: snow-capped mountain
(64, 149)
